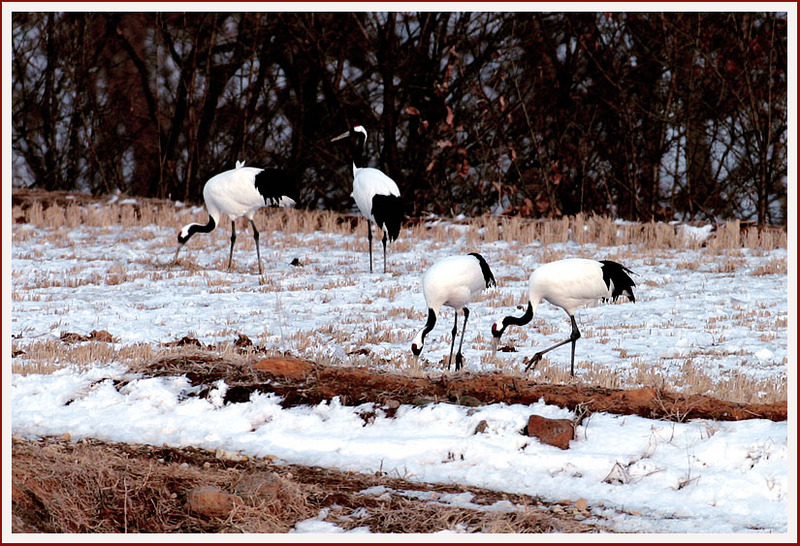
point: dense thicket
(638, 116)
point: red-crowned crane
(570, 284)
(377, 195)
(453, 281)
(241, 192)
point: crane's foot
(533, 361)
(459, 361)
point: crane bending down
(570, 284)
(376, 195)
(241, 192)
(453, 281)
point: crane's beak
(340, 137)
(175, 259)
(495, 342)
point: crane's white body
(454, 281)
(570, 284)
(234, 193)
(367, 183)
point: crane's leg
(255, 238)
(233, 240)
(459, 357)
(384, 251)
(573, 337)
(453, 341)
(369, 236)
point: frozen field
(710, 322)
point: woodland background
(639, 116)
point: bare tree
(638, 115)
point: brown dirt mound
(299, 382)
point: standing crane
(453, 281)
(376, 195)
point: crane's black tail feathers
(618, 280)
(275, 184)
(388, 213)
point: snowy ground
(692, 310)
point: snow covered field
(723, 317)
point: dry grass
(61, 486)
(47, 356)
(45, 210)
(50, 355)
(735, 386)
(85, 488)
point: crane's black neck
(357, 151)
(358, 141)
(520, 321)
(430, 324)
(515, 321)
(186, 233)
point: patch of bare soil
(60, 486)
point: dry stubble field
(89, 486)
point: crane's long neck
(525, 318)
(419, 339)
(499, 327)
(357, 145)
(188, 230)
(430, 323)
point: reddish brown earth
(300, 382)
(63, 486)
